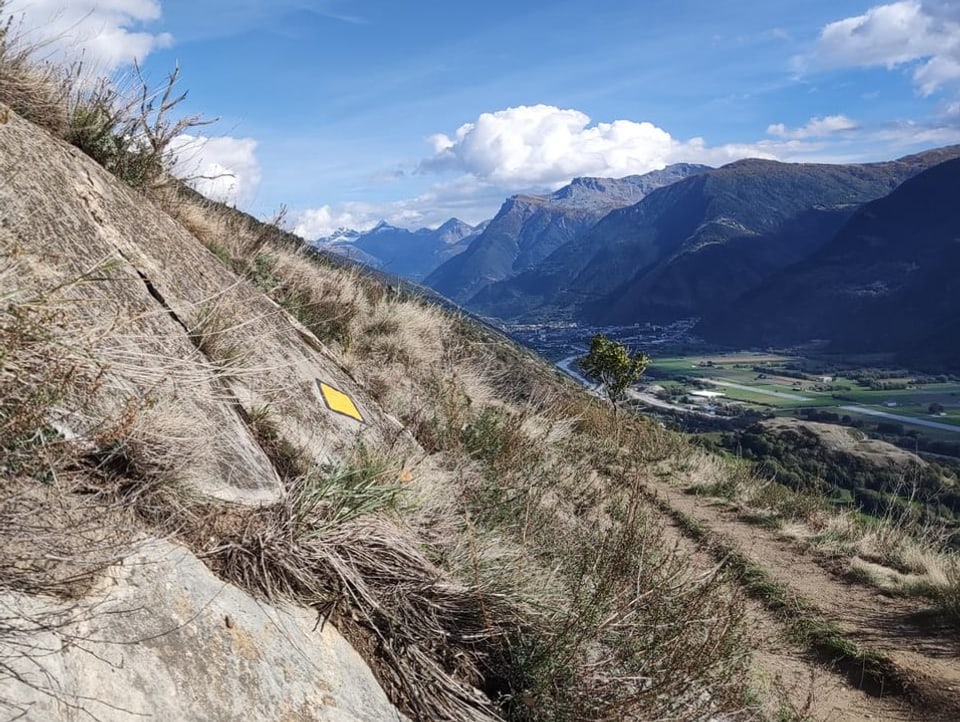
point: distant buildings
(707, 394)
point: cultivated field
(769, 382)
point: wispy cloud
(227, 18)
(815, 128)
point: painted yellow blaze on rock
(339, 402)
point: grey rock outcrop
(135, 293)
(162, 638)
(179, 354)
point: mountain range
(886, 282)
(529, 228)
(410, 254)
(861, 257)
(695, 245)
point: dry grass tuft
(37, 91)
(325, 301)
(211, 332)
(331, 545)
(436, 636)
(900, 554)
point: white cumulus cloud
(542, 145)
(536, 149)
(104, 34)
(815, 127)
(926, 33)
(316, 223)
(529, 149)
(222, 168)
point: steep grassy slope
(163, 367)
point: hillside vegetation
(479, 536)
(488, 536)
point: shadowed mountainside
(886, 282)
(698, 244)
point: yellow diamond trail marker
(339, 402)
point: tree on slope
(613, 366)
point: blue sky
(347, 111)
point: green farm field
(763, 381)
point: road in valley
(566, 365)
(903, 419)
(755, 390)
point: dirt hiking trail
(922, 658)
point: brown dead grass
(37, 91)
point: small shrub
(326, 318)
(495, 437)
(130, 133)
(103, 127)
(327, 498)
(262, 274)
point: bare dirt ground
(924, 657)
